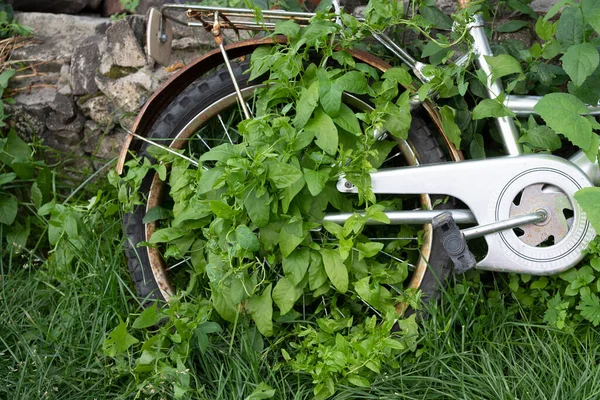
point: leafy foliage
(245, 223)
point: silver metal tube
(506, 126)
(591, 169)
(523, 105)
(414, 217)
(482, 230)
(244, 11)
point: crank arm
(489, 187)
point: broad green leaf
(562, 112)
(437, 17)
(369, 249)
(282, 174)
(194, 209)
(590, 307)
(330, 96)
(261, 311)
(353, 82)
(542, 137)
(589, 91)
(223, 305)
(476, 147)
(262, 391)
(556, 313)
(8, 208)
(335, 269)
(316, 180)
(147, 318)
(316, 272)
(491, 108)
(512, 26)
(166, 235)
(399, 75)
(289, 241)
(288, 28)
(7, 177)
(359, 381)
(261, 60)
(296, 265)
(322, 126)
(591, 12)
(398, 117)
(246, 238)
(220, 153)
(544, 29)
(258, 208)
(520, 5)
(308, 101)
(155, 213)
(347, 120)
(570, 29)
(503, 65)
(450, 128)
(290, 192)
(589, 200)
(5, 76)
(222, 209)
(595, 263)
(285, 295)
(580, 61)
(118, 341)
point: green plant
(242, 221)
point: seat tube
(506, 125)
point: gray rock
(59, 123)
(123, 46)
(54, 6)
(111, 7)
(102, 144)
(57, 36)
(99, 109)
(63, 105)
(130, 92)
(63, 141)
(84, 64)
(29, 122)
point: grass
(53, 321)
(54, 318)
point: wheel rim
(158, 264)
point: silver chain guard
(488, 187)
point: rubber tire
(189, 103)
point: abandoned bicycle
(316, 169)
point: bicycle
(528, 214)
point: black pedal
(454, 242)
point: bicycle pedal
(454, 242)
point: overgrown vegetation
(267, 309)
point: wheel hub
(554, 202)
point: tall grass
(53, 320)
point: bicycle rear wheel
(200, 118)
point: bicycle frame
(578, 168)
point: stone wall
(86, 74)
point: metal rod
(522, 106)
(165, 148)
(414, 217)
(506, 126)
(515, 222)
(219, 39)
(245, 11)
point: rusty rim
(158, 265)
